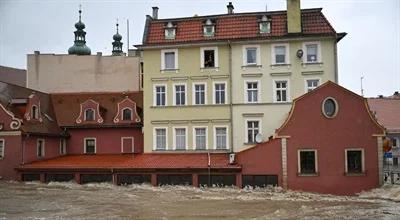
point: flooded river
(106, 201)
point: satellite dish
(259, 138)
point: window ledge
(209, 69)
(312, 63)
(280, 64)
(169, 70)
(308, 174)
(251, 66)
(356, 174)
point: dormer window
(265, 25)
(208, 28)
(126, 114)
(170, 31)
(89, 114)
(35, 112)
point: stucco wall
(71, 73)
(12, 157)
(108, 140)
(273, 114)
(51, 145)
(184, 116)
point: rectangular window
(200, 138)
(160, 95)
(180, 94)
(199, 94)
(280, 54)
(312, 84)
(221, 138)
(312, 53)
(253, 128)
(2, 148)
(395, 142)
(219, 90)
(90, 145)
(169, 60)
(281, 91)
(252, 92)
(169, 33)
(63, 146)
(180, 138)
(40, 148)
(307, 161)
(209, 58)
(354, 161)
(161, 138)
(251, 55)
(265, 27)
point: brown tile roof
(139, 161)
(236, 27)
(387, 112)
(67, 106)
(13, 75)
(49, 124)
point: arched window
(35, 112)
(89, 114)
(126, 114)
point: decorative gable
(89, 113)
(126, 112)
(8, 120)
(33, 112)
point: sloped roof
(67, 105)
(387, 112)
(13, 76)
(140, 161)
(238, 26)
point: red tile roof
(236, 26)
(387, 112)
(140, 161)
(67, 105)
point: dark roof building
(13, 76)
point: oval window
(329, 107)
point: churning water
(106, 201)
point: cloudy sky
(371, 48)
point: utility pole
(362, 89)
(127, 37)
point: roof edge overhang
(125, 169)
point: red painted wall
(263, 159)
(351, 128)
(52, 148)
(12, 157)
(108, 140)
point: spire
(117, 44)
(79, 47)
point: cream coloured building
(262, 60)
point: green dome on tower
(117, 44)
(79, 47)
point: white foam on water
(387, 192)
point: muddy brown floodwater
(106, 201)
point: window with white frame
(312, 52)
(265, 25)
(354, 161)
(40, 151)
(280, 54)
(35, 112)
(2, 148)
(311, 84)
(127, 114)
(180, 94)
(252, 91)
(199, 94)
(208, 28)
(89, 114)
(395, 142)
(169, 59)
(200, 138)
(180, 138)
(281, 91)
(63, 146)
(221, 138)
(160, 95)
(220, 93)
(253, 128)
(209, 57)
(307, 162)
(251, 55)
(170, 31)
(160, 138)
(90, 146)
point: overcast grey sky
(371, 48)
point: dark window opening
(329, 107)
(96, 178)
(89, 115)
(126, 179)
(307, 162)
(209, 58)
(165, 179)
(217, 180)
(59, 177)
(35, 112)
(259, 180)
(90, 146)
(27, 177)
(126, 114)
(354, 161)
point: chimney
(293, 16)
(155, 12)
(230, 8)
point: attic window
(126, 114)
(208, 28)
(330, 107)
(265, 25)
(170, 31)
(89, 114)
(35, 112)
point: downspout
(230, 95)
(336, 63)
